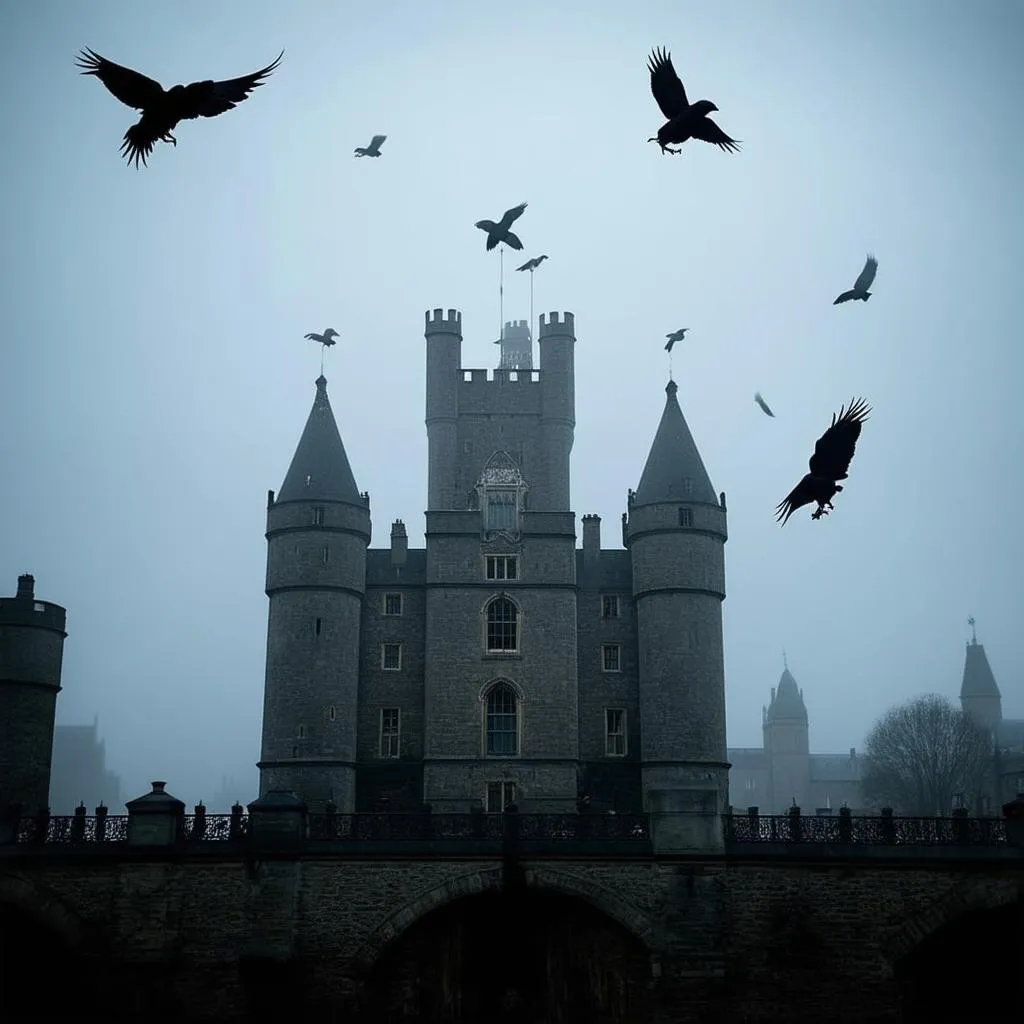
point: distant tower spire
(785, 662)
(974, 635)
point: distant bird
(327, 338)
(829, 463)
(674, 337)
(862, 284)
(500, 232)
(764, 405)
(163, 109)
(685, 120)
(531, 264)
(373, 149)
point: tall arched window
(502, 720)
(502, 625)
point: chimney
(591, 542)
(399, 543)
(26, 587)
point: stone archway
(537, 956)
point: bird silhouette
(327, 338)
(764, 405)
(685, 120)
(862, 284)
(829, 463)
(161, 108)
(674, 337)
(373, 149)
(531, 264)
(500, 232)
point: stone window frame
(504, 784)
(318, 515)
(609, 735)
(390, 752)
(617, 606)
(501, 652)
(385, 667)
(397, 595)
(605, 649)
(485, 693)
(491, 559)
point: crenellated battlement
(438, 322)
(553, 325)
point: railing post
(78, 824)
(845, 826)
(198, 822)
(1013, 814)
(888, 827)
(42, 832)
(476, 821)
(795, 828)
(9, 818)
(277, 820)
(754, 823)
(961, 827)
(156, 818)
(330, 820)
(235, 826)
(101, 823)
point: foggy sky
(154, 379)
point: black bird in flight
(500, 232)
(373, 149)
(533, 264)
(829, 463)
(327, 338)
(161, 108)
(764, 405)
(674, 337)
(862, 284)
(685, 120)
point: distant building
(79, 774)
(232, 791)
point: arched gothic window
(502, 720)
(501, 494)
(502, 626)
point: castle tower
(675, 530)
(787, 747)
(318, 530)
(516, 346)
(500, 654)
(31, 652)
(979, 692)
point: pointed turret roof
(978, 680)
(674, 470)
(787, 701)
(320, 469)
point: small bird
(327, 338)
(373, 149)
(163, 109)
(674, 337)
(829, 463)
(533, 264)
(764, 405)
(685, 120)
(862, 284)
(500, 232)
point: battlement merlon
(552, 325)
(437, 322)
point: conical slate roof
(674, 470)
(320, 469)
(787, 703)
(978, 680)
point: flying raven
(764, 405)
(533, 264)
(685, 120)
(829, 463)
(327, 338)
(862, 284)
(373, 149)
(674, 337)
(500, 232)
(161, 108)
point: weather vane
(325, 339)
(497, 234)
(531, 266)
(673, 337)
(974, 635)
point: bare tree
(923, 753)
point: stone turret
(979, 692)
(787, 746)
(676, 532)
(557, 339)
(31, 652)
(444, 357)
(318, 530)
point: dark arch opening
(533, 957)
(39, 971)
(967, 969)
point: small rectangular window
(391, 657)
(318, 517)
(610, 606)
(615, 732)
(610, 658)
(392, 604)
(317, 626)
(685, 517)
(502, 567)
(326, 554)
(499, 796)
(750, 784)
(390, 732)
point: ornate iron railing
(881, 830)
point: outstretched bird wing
(867, 275)
(834, 450)
(528, 265)
(130, 87)
(510, 216)
(208, 99)
(375, 143)
(802, 494)
(707, 131)
(845, 297)
(764, 405)
(665, 84)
